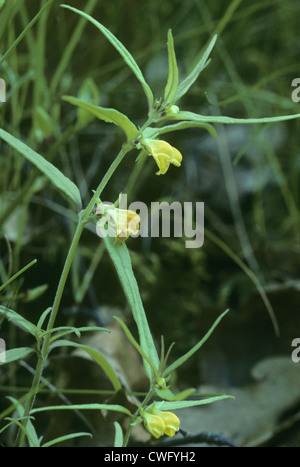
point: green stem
(20, 441)
(134, 417)
(42, 356)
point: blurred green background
(248, 177)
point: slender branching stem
(43, 354)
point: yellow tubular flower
(160, 423)
(120, 222)
(171, 422)
(164, 154)
(154, 424)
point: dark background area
(248, 179)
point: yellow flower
(120, 223)
(164, 154)
(171, 422)
(154, 424)
(160, 423)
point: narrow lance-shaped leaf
(185, 115)
(14, 277)
(61, 439)
(121, 258)
(32, 435)
(112, 407)
(96, 356)
(168, 395)
(108, 115)
(194, 349)
(137, 346)
(172, 83)
(176, 405)
(185, 85)
(48, 169)
(16, 354)
(181, 126)
(118, 443)
(128, 58)
(18, 320)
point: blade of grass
(20, 37)
(69, 49)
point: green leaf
(96, 356)
(194, 349)
(185, 85)
(11, 279)
(42, 318)
(22, 428)
(88, 92)
(137, 346)
(184, 115)
(108, 115)
(65, 330)
(16, 354)
(35, 293)
(118, 443)
(69, 330)
(121, 259)
(181, 126)
(61, 439)
(19, 320)
(168, 395)
(48, 169)
(169, 406)
(128, 58)
(172, 83)
(30, 429)
(112, 407)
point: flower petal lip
(163, 153)
(159, 423)
(171, 422)
(154, 424)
